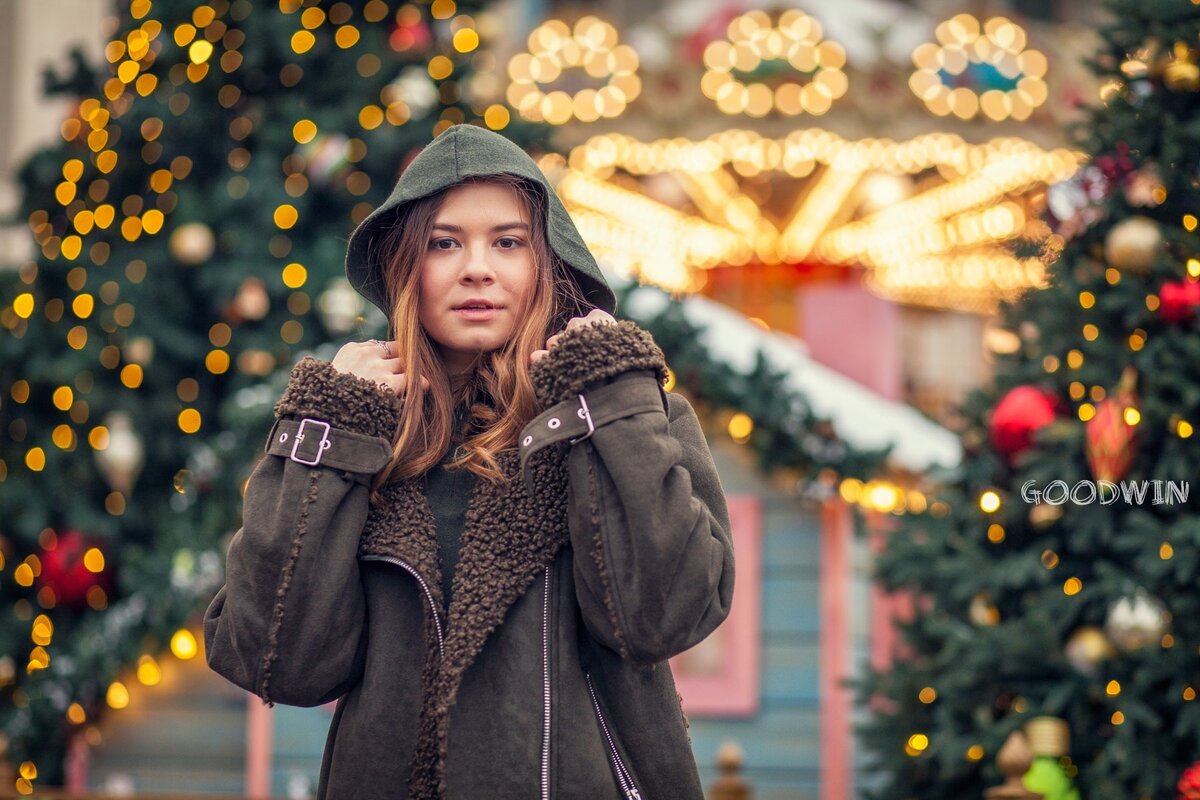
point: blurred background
(902, 257)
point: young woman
(484, 536)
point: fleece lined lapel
(510, 534)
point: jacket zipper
(627, 785)
(437, 620)
(546, 686)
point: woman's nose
(478, 264)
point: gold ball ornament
(1087, 648)
(1133, 244)
(192, 243)
(1182, 76)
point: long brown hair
(498, 388)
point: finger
(538, 354)
(553, 340)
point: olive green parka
(606, 551)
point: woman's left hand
(596, 316)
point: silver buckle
(325, 443)
(583, 413)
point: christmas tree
(190, 231)
(1037, 588)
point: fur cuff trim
(316, 389)
(593, 353)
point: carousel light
(752, 39)
(943, 246)
(1008, 80)
(555, 47)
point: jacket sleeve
(649, 524)
(289, 623)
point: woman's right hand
(369, 360)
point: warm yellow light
(183, 644)
(294, 275)
(189, 420)
(1184, 429)
(62, 398)
(995, 533)
(346, 37)
(989, 501)
(63, 437)
(131, 376)
(217, 362)
(1072, 586)
(148, 671)
(312, 18)
(1189, 693)
(117, 695)
(466, 40)
(440, 68)
(23, 574)
(975, 753)
(370, 117)
(1132, 416)
(496, 117)
(304, 131)
(43, 630)
(927, 695)
(740, 427)
(286, 216)
(1086, 412)
(152, 221)
(917, 743)
(93, 560)
(199, 51)
(302, 42)
(23, 305)
(1113, 688)
(98, 437)
(76, 714)
(1118, 718)
(82, 305)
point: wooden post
(1013, 760)
(730, 783)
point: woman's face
(478, 254)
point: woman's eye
(515, 243)
(435, 244)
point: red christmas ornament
(1111, 439)
(1020, 413)
(1189, 783)
(1178, 300)
(65, 568)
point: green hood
(461, 151)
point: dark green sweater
(448, 492)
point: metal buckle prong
(583, 413)
(325, 443)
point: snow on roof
(859, 416)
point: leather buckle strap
(574, 420)
(313, 442)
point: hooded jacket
(604, 552)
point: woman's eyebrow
(504, 226)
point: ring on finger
(387, 350)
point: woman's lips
(478, 314)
